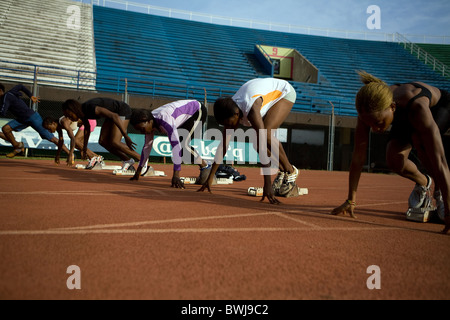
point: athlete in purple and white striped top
(168, 119)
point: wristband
(350, 202)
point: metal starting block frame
(193, 180)
(120, 172)
(421, 214)
(99, 166)
(154, 173)
(258, 192)
(149, 173)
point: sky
(413, 17)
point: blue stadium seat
(178, 58)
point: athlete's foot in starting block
(94, 162)
(99, 166)
(421, 214)
(129, 172)
(151, 172)
(20, 149)
(425, 213)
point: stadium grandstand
(87, 50)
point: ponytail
(367, 78)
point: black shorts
(124, 110)
(121, 108)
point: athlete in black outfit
(117, 117)
(419, 115)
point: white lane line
(142, 223)
(381, 204)
(286, 216)
(56, 193)
(185, 230)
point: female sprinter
(262, 104)
(419, 114)
(76, 141)
(117, 116)
(169, 119)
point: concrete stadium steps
(36, 33)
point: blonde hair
(374, 96)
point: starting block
(193, 180)
(425, 213)
(421, 214)
(255, 192)
(223, 181)
(188, 180)
(258, 192)
(149, 173)
(120, 172)
(153, 173)
(99, 166)
(295, 192)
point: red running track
(145, 240)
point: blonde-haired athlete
(419, 114)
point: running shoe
(93, 162)
(289, 182)
(100, 161)
(128, 165)
(419, 194)
(145, 168)
(440, 208)
(204, 174)
(278, 182)
(19, 150)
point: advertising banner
(238, 152)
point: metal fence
(263, 25)
(423, 55)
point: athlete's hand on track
(447, 225)
(177, 183)
(268, 192)
(345, 208)
(204, 187)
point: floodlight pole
(331, 139)
(35, 89)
